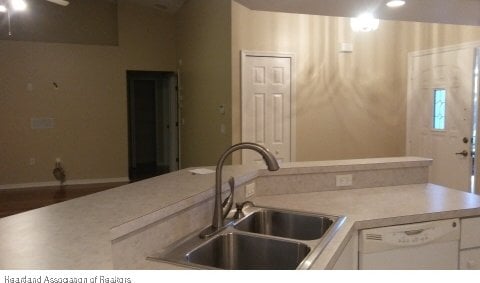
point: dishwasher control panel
(393, 237)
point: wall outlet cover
(346, 47)
(42, 123)
(344, 180)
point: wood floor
(13, 201)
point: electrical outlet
(344, 180)
(249, 190)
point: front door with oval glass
(440, 109)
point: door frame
(170, 87)
(475, 46)
(476, 114)
(293, 114)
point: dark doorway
(153, 127)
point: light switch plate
(346, 47)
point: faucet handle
(244, 204)
(228, 202)
(240, 207)
(231, 183)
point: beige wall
(347, 105)
(90, 106)
(204, 48)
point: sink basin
(293, 225)
(239, 251)
(263, 239)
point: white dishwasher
(427, 245)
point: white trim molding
(472, 44)
(67, 183)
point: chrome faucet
(218, 212)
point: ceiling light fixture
(10, 6)
(364, 23)
(395, 3)
(18, 5)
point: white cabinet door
(470, 233)
(470, 244)
(348, 260)
(470, 259)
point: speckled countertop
(377, 207)
(77, 234)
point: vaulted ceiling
(466, 12)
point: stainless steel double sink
(264, 238)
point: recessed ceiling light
(395, 3)
(3, 9)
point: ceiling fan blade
(60, 2)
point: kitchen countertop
(377, 207)
(77, 234)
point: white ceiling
(466, 12)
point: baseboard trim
(67, 183)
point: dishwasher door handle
(414, 232)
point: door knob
(464, 153)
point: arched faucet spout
(218, 215)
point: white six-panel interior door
(267, 105)
(448, 69)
